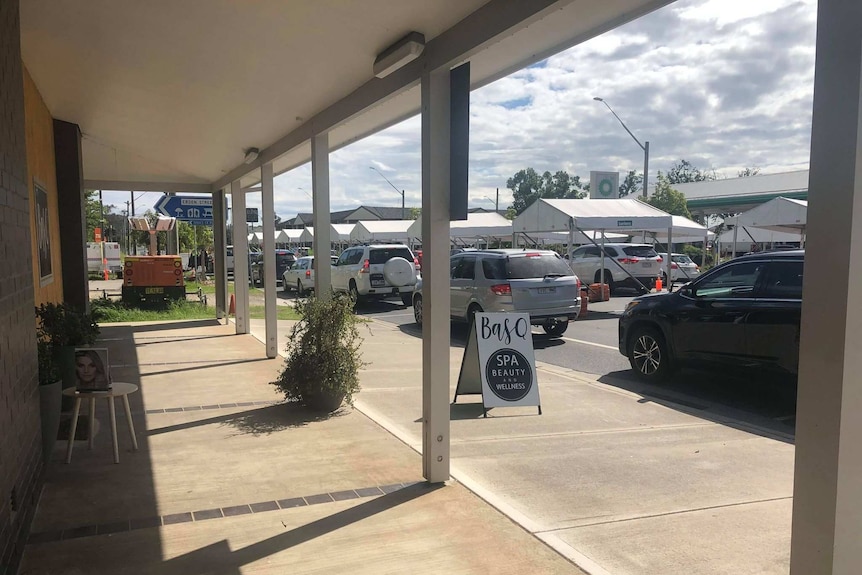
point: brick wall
(20, 449)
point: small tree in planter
(322, 358)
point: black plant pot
(324, 402)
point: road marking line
(613, 347)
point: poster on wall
(43, 235)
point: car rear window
(282, 259)
(526, 266)
(640, 251)
(383, 255)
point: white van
(112, 254)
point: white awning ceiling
(615, 215)
(779, 215)
(381, 231)
(479, 225)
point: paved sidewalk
(229, 480)
(618, 478)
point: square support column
(271, 317)
(320, 212)
(827, 495)
(240, 257)
(435, 276)
(220, 253)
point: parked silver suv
(625, 265)
(376, 271)
(534, 281)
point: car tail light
(697, 268)
(660, 259)
(416, 264)
(366, 267)
(502, 289)
(629, 261)
(673, 266)
(532, 255)
(308, 273)
(578, 285)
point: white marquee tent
(572, 216)
(289, 236)
(341, 232)
(778, 220)
(307, 235)
(394, 231)
(479, 225)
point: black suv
(283, 260)
(743, 313)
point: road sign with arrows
(196, 210)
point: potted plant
(64, 328)
(322, 358)
(50, 396)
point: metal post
(667, 264)
(435, 289)
(403, 213)
(268, 209)
(321, 221)
(602, 277)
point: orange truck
(153, 281)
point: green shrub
(322, 354)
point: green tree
(93, 213)
(668, 199)
(684, 171)
(631, 184)
(194, 237)
(528, 186)
(414, 213)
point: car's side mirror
(685, 290)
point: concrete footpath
(609, 480)
(229, 480)
(618, 479)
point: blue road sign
(196, 210)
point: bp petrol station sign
(604, 185)
(499, 362)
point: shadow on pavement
(768, 405)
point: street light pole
(403, 212)
(644, 146)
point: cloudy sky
(725, 84)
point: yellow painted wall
(42, 169)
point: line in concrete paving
(133, 524)
(608, 431)
(668, 513)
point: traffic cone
(658, 285)
(105, 275)
(231, 310)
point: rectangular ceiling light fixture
(399, 54)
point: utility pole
(497, 203)
(126, 228)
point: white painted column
(435, 276)
(220, 253)
(827, 505)
(240, 256)
(320, 212)
(270, 314)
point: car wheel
(353, 292)
(417, 309)
(649, 355)
(555, 328)
(299, 291)
(407, 298)
(284, 285)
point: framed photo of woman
(92, 371)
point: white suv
(622, 263)
(376, 271)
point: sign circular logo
(509, 374)
(606, 187)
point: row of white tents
(545, 222)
